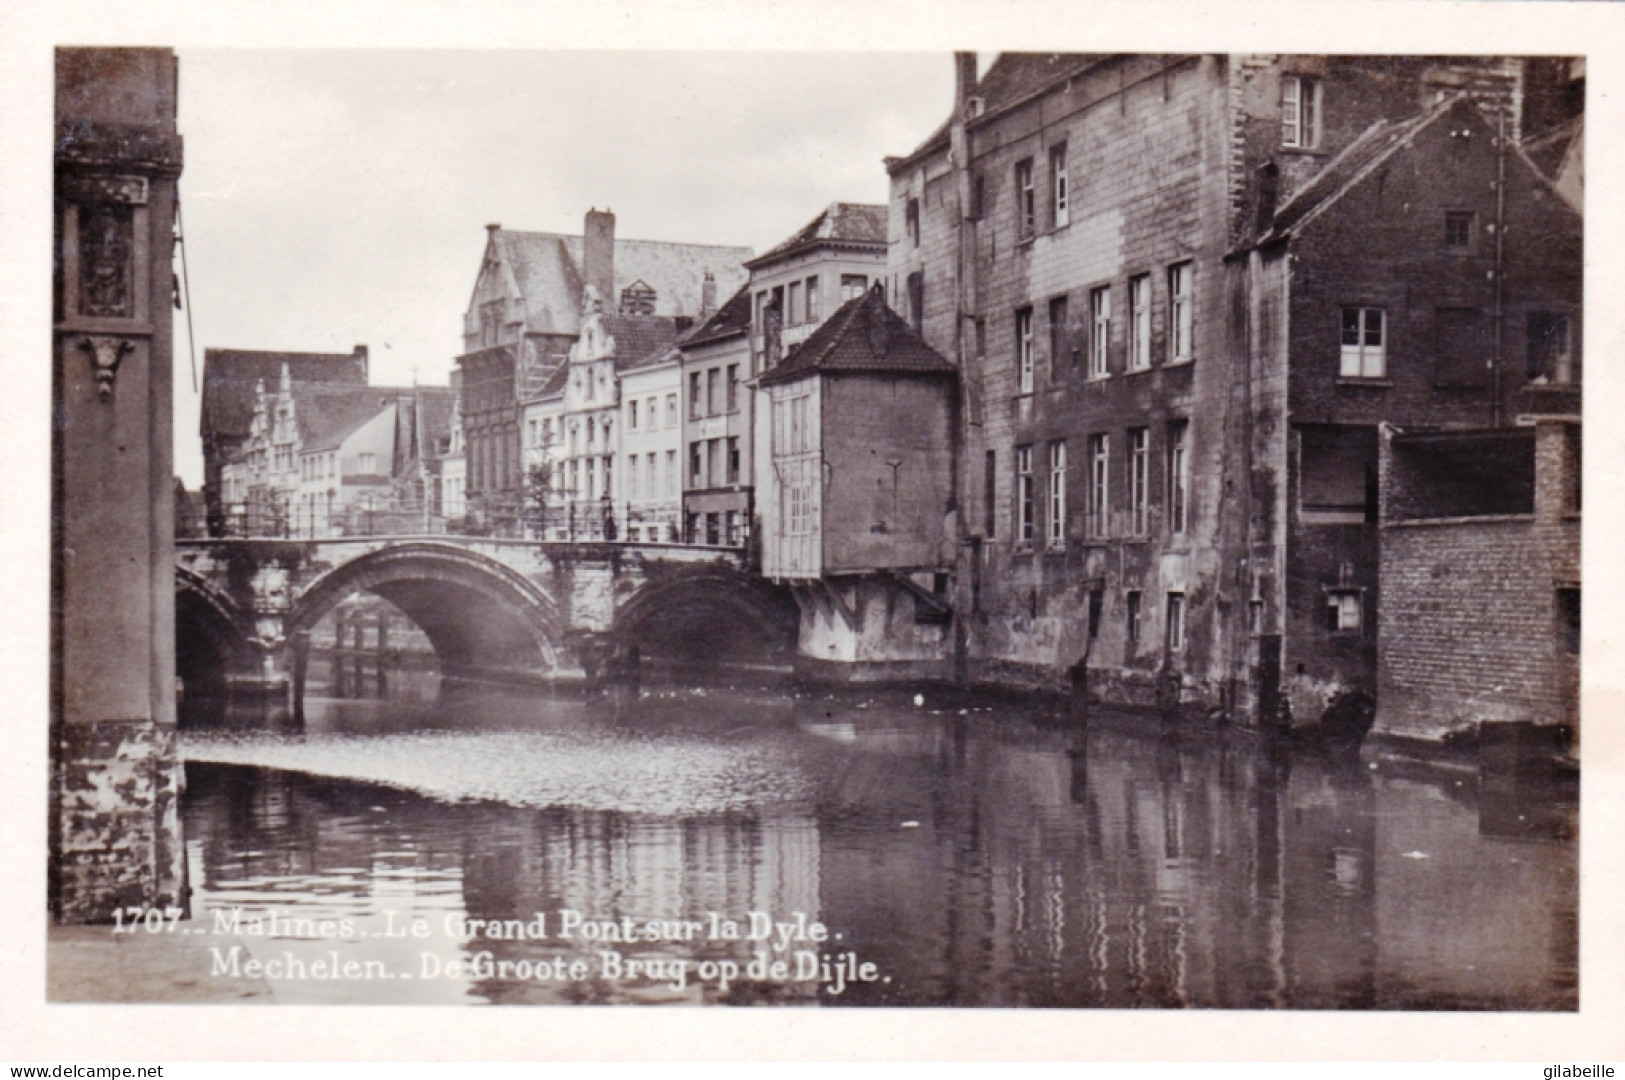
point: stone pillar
(114, 826)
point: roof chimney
(964, 77)
(708, 295)
(360, 354)
(598, 255)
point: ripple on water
(643, 775)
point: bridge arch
(213, 637)
(706, 612)
(479, 615)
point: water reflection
(975, 855)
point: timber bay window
(1024, 350)
(1178, 475)
(1024, 496)
(1100, 331)
(1098, 508)
(1026, 207)
(1300, 112)
(1139, 476)
(1364, 346)
(1139, 322)
(1057, 337)
(1057, 495)
(1181, 313)
(1176, 622)
(1060, 212)
(1344, 610)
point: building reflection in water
(975, 860)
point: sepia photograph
(969, 530)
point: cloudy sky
(339, 197)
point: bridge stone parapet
(544, 609)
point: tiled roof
(848, 223)
(640, 339)
(730, 320)
(1012, 77)
(327, 414)
(230, 375)
(547, 269)
(434, 408)
(1373, 146)
(864, 335)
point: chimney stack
(360, 354)
(964, 78)
(598, 255)
(708, 296)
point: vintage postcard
(934, 530)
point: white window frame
(1176, 622)
(1024, 349)
(1181, 313)
(1062, 212)
(1300, 112)
(1026, 207)
(1139, 322)
(1100, 332)
(1057, 495)
(1099, 506)
(1024, 496)
(1347, 607)
(1139, 480)
(1361, 358)
(1179, 476)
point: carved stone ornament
(106, 354)
(107, 260)
(119, 189)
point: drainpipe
(1499, 328)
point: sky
(339, 197)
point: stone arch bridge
(489, 607)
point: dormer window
(1300, 112)
(638, 298)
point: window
(813, 313)
(696, 465)
(1097, 605)
(713, 454)
(1551, 359)
(733, 538)
(1300, 112)
(655, 491)
(1363, 334)
(1176, 622)
(367, 464)
(696, 395)
(1139, 322)
(911, 218)
(671, 410)
(1024, 496)
(1568, 620)
(631, 418)
(916, 301)
(733, 388)
(1139, 475)
(1100, 331)
(1458, 230)
(713, 529)
(713, 392)
(793, 316)
(978, 198)
(1057, 167)
(1343, 610)
(733, 459)
(1099, 460)
(1024, 350)
(1057, 495)
(671, 472)
(989, 491)
(1180, 313)
(1057, 336)
(1025, 207)
(979, 336)
(1178, 476)
(853, 286)
(1131, 619)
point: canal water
(685, 845)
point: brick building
(1093, 239)
(525, 314)
(1480, 568)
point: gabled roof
(1360, 159)
(640, 339)
(327, 415)
(730, 320)
(434, 408)
(838, 223)
(547, 270)
(230, 376)
(864, 335)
